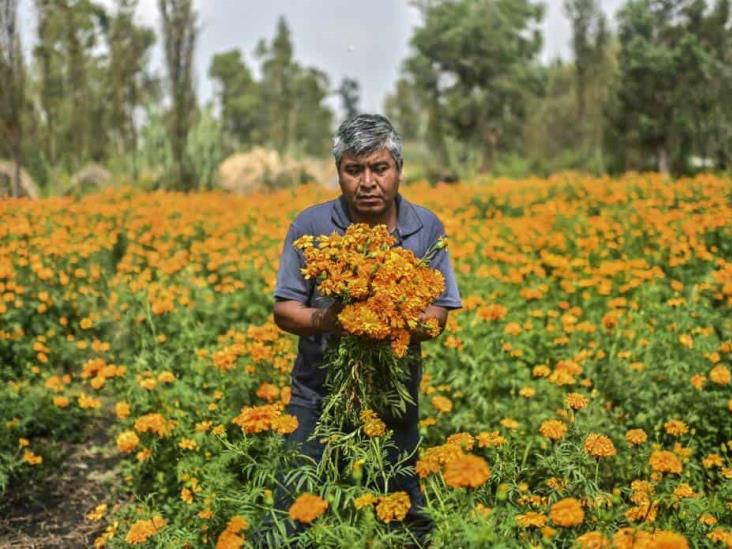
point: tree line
(651, 91)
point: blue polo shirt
(417, 229)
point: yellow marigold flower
(636, 436)
(205, 514)
(713, 460)
(285, 424)
(599, 446)
(166, 377)
(307, 507)
(480, 511)
(553, 429)
(23, 442)
(466, 471)
(442, 404)
(527, 392)
(687, 341)
(97, 513)
(720, 535)
(61, 401)
(707, 519)
(203, 426)
(490, 439)
(188, 444)
(186, 495)
(86, 323)
(592, 540)
(663, 461)
(676, 427)
(541, 370)
(683, 490)
(566, 513)
(32, 459)
(509, 423)
(143, 530)
(122, 410)
(372, 425)
(720, 375)
(86, 402)
(393, 507)
(127, 441)
(153, 423)
(365, 500)
(143, 454)
(576, 401)
(531, 519)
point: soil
(51, 512)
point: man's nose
(368, 178)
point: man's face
(369, 182)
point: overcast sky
(364, 40)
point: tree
(179, 39)
(12, 90)
(349, 92)
(475, 62)
(669, 82)
(278, 75)
(127, 82)
(241, 110)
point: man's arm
(299, 319)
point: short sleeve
(291, 284)
(450, 298)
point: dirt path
(52, 512)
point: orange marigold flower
(372, 425)
(61, 401)
(713, 460)
(127, 441)
(153, 423)
(393, 507)
(268, 392)
(442, 404)
(187, 444)
(553, 429)
(122, 410)
(667, 540)
(531, 519)
(32, 459)
(576, 401)
(636, 436)
(466, 471)
(566, 513)
(592, 540)
(143, 530)
(720, 375)
(365, 500)
(285, 424)
(599, 446)
(307, 507)
(256, 419)
(663, 461)
(676, 427)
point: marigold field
(581, 397)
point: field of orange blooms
(581, 397)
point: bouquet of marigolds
(384, 291)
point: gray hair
(364, 134)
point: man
(368, 157)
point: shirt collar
(408, 221)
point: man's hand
(432, 311)
(299, 319)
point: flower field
(582, 397)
